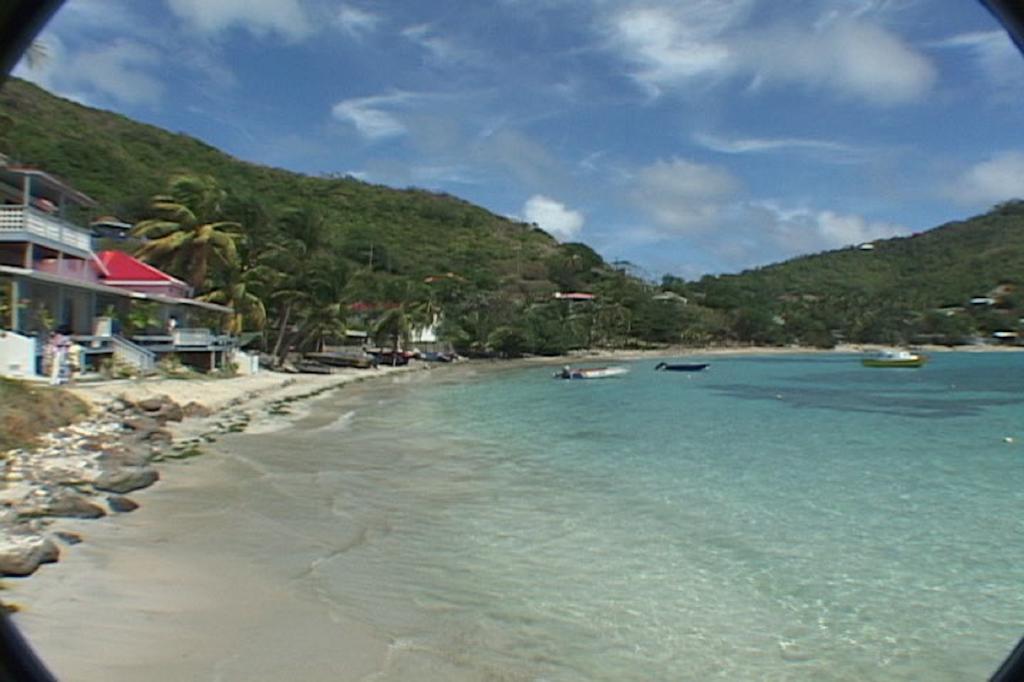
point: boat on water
(590, 372)
(341, 359)
(894, 358)
(680, 366)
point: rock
(121, 504)
(72, 505)
(171, 412)
(125, 479)
(122, 456)
(21, 555)
(140, 424)
(68, 538)
(93, 444)
(194, 409)
(153, 404)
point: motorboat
(590, 372)
(680, 366)
(894, 358)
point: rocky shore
(86, 470)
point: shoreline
(145, 584)
(86, 469)
(42, 487)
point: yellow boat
(895, 358)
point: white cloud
(993, 51)
(802, 230)
(286, 18)
(826, 150)
(684, 197)
(356, 22)
(852, 58)
(370, 115)
(997, 179)
(672, 47)
(441, 50)
(117, 70)
(553, 217)
(530, 161)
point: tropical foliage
(301, 259)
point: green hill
(916, 287)
(498, 296)
(122, 163)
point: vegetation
(301, 259)
(27, 411)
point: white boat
(895, 358)
(590, 372)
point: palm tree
(304, 282)
(394, 325)
(236, 292)
(187, 234)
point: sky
(687, 137)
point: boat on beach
(590, 372)
(680, 366)
(894, 358)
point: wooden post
(15, 297)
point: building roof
(44, 185)
(48, 278)
(111, 221)
(122, 267)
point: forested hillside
(301, 257)
(307, 249)
(918, 287)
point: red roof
(125, 268)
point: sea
(783, 517)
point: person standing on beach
(58, 358)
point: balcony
(26, 224)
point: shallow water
(785, 518)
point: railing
(133, 354)
(26, 219)
(195, 336)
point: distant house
(50, 278)
(669, 296)
(982, 301)
(109, 227)
(574, 296)
(1008, 337)
(866, 246)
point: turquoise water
(782, 518)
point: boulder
(121, 504)
(122, 456)
(68, 538)
(71, 505)
(21, 555)
(140, 423)
(194, 409)
(154, 404)
(170, 412)
(125, 479)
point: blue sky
(686, 136)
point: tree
(394, 326)
(187, 234)
(235, 290)
(298, 273)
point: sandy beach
(135, 598)
(142, 594)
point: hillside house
(50, 279)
